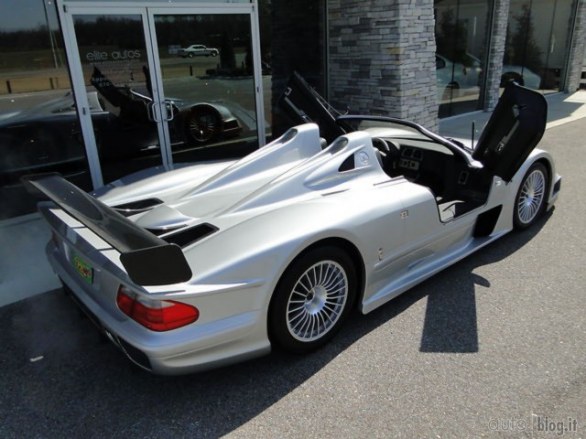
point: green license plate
(84, 269)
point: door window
(115, 68)
(207, 75)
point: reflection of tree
(227, 55)
(452, 37)
(120, 32)
(521, 47)
(31, 49)
(264, 17)
(248, 67)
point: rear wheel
(312, 299)
(203, 123)
(530, 199)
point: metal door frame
(147, 10)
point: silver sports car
(214, 263)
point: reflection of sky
(29, 14)
(26, 14)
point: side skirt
(399, 285)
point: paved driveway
(494, 346)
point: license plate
(84, 269)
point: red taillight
(157, 315)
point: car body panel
(262, 212)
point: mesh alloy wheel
(530, 200)
(316, 301)
(312, 299)
(203, 123)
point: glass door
(159, 84)
(110, 64)
(207, 76)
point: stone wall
(382, 58)
(496, 52)
(577, 49)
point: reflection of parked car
(217, 263)
(468, 73)
(198, 50)
(457, 75)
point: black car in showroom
(48, 138)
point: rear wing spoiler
(148, 259)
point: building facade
(97, 90)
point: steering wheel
(381, 145)
(389, 149)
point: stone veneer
(577, 49)
(496, 52)
(382, 58)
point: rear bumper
(193, 348)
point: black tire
(312, 299)
(203, 124)
(531, 197)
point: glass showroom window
(537, 42)
(39, 131)
(461, 36)
(293, 38)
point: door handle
(169, 111)
(152, 112)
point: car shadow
(60, 372)
(450, 318)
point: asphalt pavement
(494, 346)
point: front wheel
(312, 299)
(530, 199)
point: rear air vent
(557, 186)
(160, 232)
(188, 236)
(139, 206)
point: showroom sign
(114, 55)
